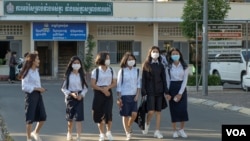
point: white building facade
(58, 29)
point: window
(170, 30)
(117, 49)
(117, 30)
(11, 29)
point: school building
(59, 29)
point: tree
(89, 58)
(193, 11)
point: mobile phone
(175, 99)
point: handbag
(141, 114)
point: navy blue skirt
(129, 105)
(34, 107)
(178, 110)
(74, 109)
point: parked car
(232, 66)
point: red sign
(224, 35)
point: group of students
(157, 83)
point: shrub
(213, 80)
(2, 61)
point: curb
(219, 105)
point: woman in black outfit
(154, 86)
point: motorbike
(19, 66)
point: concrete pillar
(55, 59)
(155, 34)
(32, 43)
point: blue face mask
(175, 57)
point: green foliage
(2, 61)
(193, 10)
(213, 80)
(89, 58)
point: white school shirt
(31, 81)
(75, 85)
(104, 77)
(177, 74)
(131, 81)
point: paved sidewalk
(228, 99)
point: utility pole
(204, 50)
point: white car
(232, 66)
(246, 82)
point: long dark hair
(146, 64)
(70, 69)
(183, 63)
(29, 59)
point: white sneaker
(158, 134)
(36, 136)
(101, 137)
(69, 137)
(175, 134)
(78, 139)
(109, 136)
(145, 131)
(128, 135)
(182, 133)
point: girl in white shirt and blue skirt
(34, 106)
(177, 76)
(74, 89)
(128, 90)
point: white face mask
(76, 66)
(154, 55)
(131, 63)
(107, 62)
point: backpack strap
(122, 75)
(169, 72)
(111, 72)
(96, 74)
(137, 73)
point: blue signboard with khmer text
(59, 31)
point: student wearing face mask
(74, 88)
(154, 86)
(128, 89)
(103, 79)
(177, 76)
